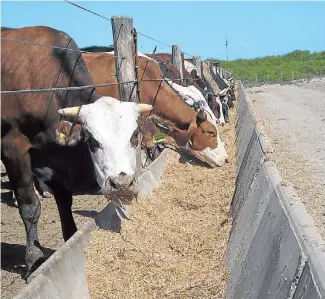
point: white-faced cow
(75, 142)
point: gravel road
(293, 117)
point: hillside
(295, 65)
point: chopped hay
(175, 244)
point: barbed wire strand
(74, 88)
(51, 46)
(92, 12)
(145, 35)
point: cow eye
(212, 133)
(135, 138)
(92, 143)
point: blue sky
(253, 29)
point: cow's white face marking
(111, 123)
(213, 157)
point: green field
(295, 65)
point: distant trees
(294, 65)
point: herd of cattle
(86, 141)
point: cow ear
(201, 116)
(68, 134)
(194, 74)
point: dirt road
(293, 117)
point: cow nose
(121, 181)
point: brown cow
(203, 139)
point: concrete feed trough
(275, 250)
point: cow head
(214, 106)
(201, 139)
(110, 129)
(217, 108)
(225, 107)
(205, 142)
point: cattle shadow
(8, 199)
(13, 258)
(186, 158)
(108, 219)
(5, 185)
(86, 213)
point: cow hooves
(34, 267)
(47, 194)
(34, 258)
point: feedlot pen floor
(13, 239)
(174, 246)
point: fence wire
(74, 88)
(50, 46)
(108, 19)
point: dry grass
(174, 246)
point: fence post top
(121, 17)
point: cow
(193, 132)
(194, 84)
(74, 142)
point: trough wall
(63, 275)
(274, 249)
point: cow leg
(17, 161)
(225, 112)
(63, 198)
(38, 189)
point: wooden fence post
(124, 51)
(197, 64)
(177, 60)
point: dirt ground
(13, 234)
(174, 246)
(293, 117)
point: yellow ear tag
(62, 136)
(159, 137)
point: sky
(253, 29)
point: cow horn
(70, 111)
(144, 108)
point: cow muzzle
(120, 182)
(119, 189)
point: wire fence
(75, 88)
(282, 76)
(108, 19)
